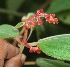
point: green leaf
(56, 46)
(64, 17)
(7, 31)
(20, 24)
(58, 6)
(43, 62)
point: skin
(10, 52)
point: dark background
(11, 12)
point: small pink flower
(34, 23)
(51, 18)
(40, 13)
(36, 19)
(40, 22)
(27, 26)
(35, 49)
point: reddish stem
(26, 44)
(25, 35)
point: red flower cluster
(36, 19)
(35, 49)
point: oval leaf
(43, 62)
(20, 24)
(56, 46)
(7, 31)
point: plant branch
(2, 10)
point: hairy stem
(25, 35)
(22, 31)
(31, 30)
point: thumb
(16, 61)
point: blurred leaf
(56, 46)
(7, 31)
(43, 62)
(20, 24)
(13, 5)
(58, 6)
(64, 17)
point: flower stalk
(30, 23)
